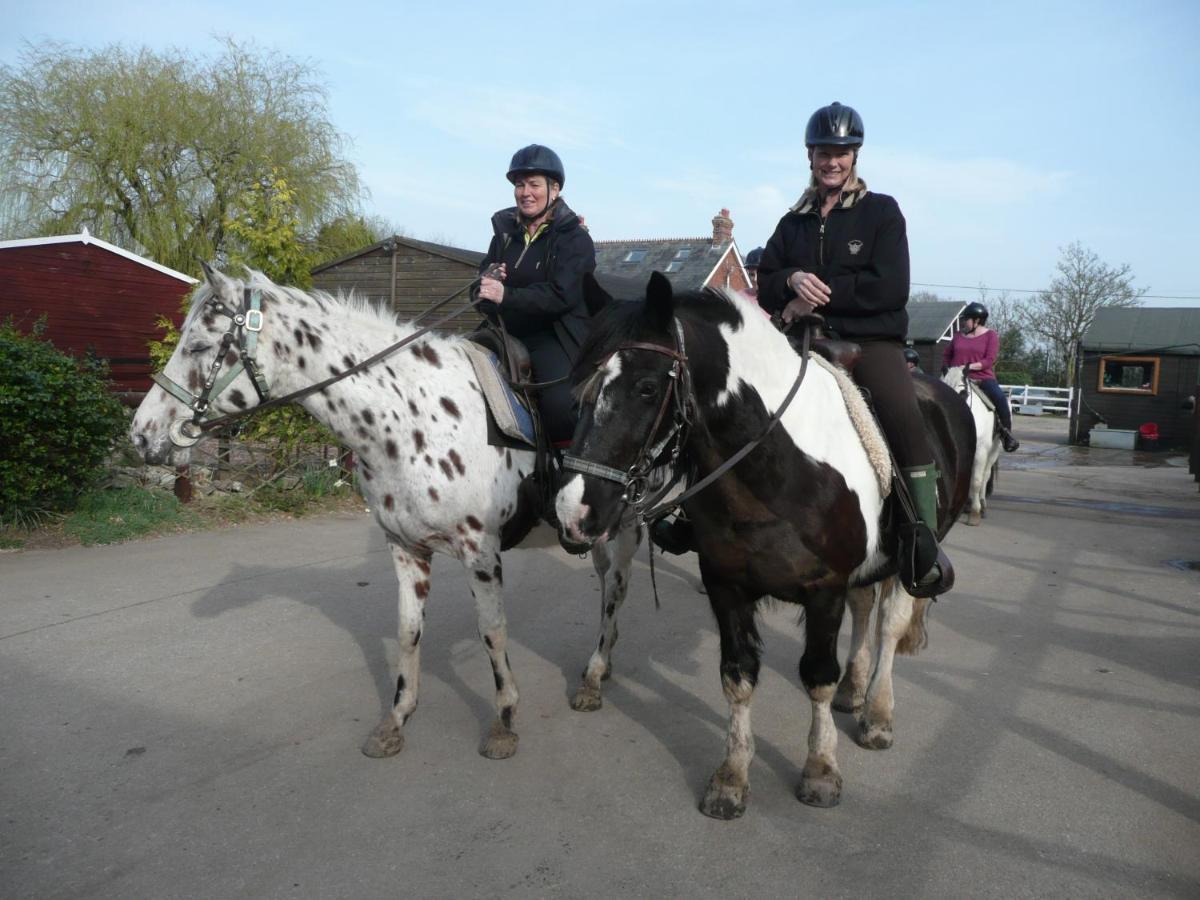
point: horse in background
(804, 518)
(987, 444)
(417, 424)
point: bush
(59, 422)
(1013, 376)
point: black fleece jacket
(544, 288)
(860, 251)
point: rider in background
(975, 348)
(842, 251)
(541, 252)
(913, 360)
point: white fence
(1032, 400)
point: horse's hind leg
(611, 561)
(728, 788)
(895, 616)
(412, 572)
(487, 579)
(853, 686)
(821, 781)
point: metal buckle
(254, 320)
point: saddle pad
(507, 411)
(979, 394)
(864, 423)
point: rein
(245, 324)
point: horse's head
(631, 382)
(208, 375)
(956, 378)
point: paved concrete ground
(181, 718)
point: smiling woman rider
(541, 252)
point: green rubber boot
(924, 569)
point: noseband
(635, 479)
(244, 325)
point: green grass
(112, 516)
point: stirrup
(938, 580)
(1008, 440)
(676, 536)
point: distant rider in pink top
(975, 348)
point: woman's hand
(796, 309)
(809, 287)
(491, 286)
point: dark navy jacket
(860, 250)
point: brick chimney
(722, 227)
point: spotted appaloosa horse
(417, 426)
(801, 518)
(987, 445)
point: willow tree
(156, 150)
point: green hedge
(58, 420)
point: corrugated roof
(470, 257)
(932, 321)
(1173, 331)
(87, 238)
(690, 273)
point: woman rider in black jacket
(540, 251)
(842, 251)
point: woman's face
(831, 165)
(533, 193)
(968, 325)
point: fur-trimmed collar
(810, 201)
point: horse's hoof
(586, 699)
(822, 787)
(500, 743)
(874, 737)
(723, 800)
(974, 518)
(386, 740)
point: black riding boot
(674, 535)
(1008, 440)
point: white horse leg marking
(853, 686)
(725, 797)
(821, 781)
(487, 581)
(875, 719)
(412, 572)
(612, 561)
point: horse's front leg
(611, 560)
(895, 616)
(741, 648)
(487, 582)
(412, 572)
(853, 686)
(821, 781)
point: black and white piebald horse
(416, 422)
(988, 444)
(802, 518)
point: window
(634, 256)
(684, 253)
(1129, 374)
(674, 265)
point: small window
(1129, 374)
(634, 256)
(684, 253)
(674, 265)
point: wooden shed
(97, 298)
(406, 275)
(1135, 367)
(930, 328)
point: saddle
(513, 355)
(827, 345)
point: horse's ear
(222, 286)
(660, 301)
(594, 296)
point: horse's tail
(915, 637)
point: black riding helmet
(537, 160)
(754, 258)
(912, 356)
(976, 311)
(835, 125)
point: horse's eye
(199, 347)
(647, 389)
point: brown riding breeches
(883, 372)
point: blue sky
(1005, 131)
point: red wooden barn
(96, 297)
